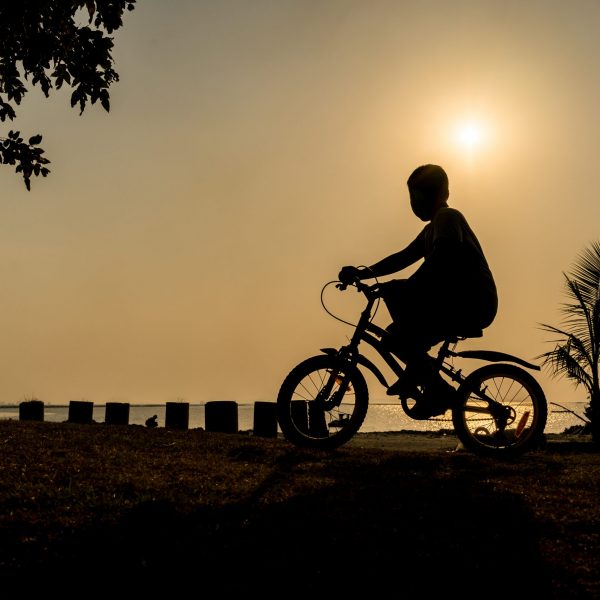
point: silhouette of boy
(451, 293)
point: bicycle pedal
(424, 409)
(403, 389)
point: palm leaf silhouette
(577, 342)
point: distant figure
(451, 293)
(152, 421)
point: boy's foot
(437, 398)
(427, 408)
(403, 388)
(440, 396)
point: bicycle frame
(368, 332)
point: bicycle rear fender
(362, 360)
(493, 356)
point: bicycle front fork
(336, 385)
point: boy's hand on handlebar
(349, 274)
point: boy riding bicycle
(452, 293)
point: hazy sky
(178, 248)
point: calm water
(381, 417)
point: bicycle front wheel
(513, 424)
(322, 403)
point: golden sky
(179, 246)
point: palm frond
(552, 329)
(596, 324)
(568, 337)
(562, 364)
(577, 349)
(583, 309)
(573, 292)
(578, 315)
(586, 272)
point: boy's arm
(397, 261)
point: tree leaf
(91, 6)
(105, 100)
(48, 44)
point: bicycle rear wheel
(516, 424)
(322, 403)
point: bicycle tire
(303, 419)
(515, 389)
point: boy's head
(428, 189)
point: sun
(470, 134)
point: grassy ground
(157, 510)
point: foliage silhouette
(51, 43)
(577, 351)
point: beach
(154, 511)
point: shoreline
(380, 417)
(402, 440)
(444, 440)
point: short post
(317, 426)
(221, 416)
(81, 411)
(265, 419)
(177, 415)
(299, 414)
(31, 410)
(116, 413)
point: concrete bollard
(81, 411)
(221, 416)
(177, 415)
(317, 426)
(265, 419)
(31, 410)
(299, 414)
(116, 413)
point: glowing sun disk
(469, 135)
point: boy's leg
(421, 371)
(411, 349)
(414, 332)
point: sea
(381, 417)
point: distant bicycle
(499, 409)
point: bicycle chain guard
(412, 410)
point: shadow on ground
(399, 528)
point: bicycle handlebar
(370, 292)
(359, 285)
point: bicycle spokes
(322, 402)
(502, 409)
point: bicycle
(499, 409)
